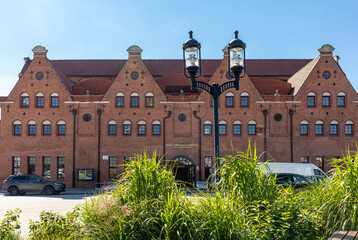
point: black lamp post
(192, 70)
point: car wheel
(49, 190)
(13, 191)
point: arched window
(54, 99)
(333, 128)
(17, 128)
(127, 127)
(119, 99)
(304, 127)
(134, 99)
(156, 127)
(208, 127)
(252, 128)
(237, 128)
(61, 128)
(319, 128)
(46, 128)
(311, 99)
(112, 127)
(222, 127)
(244, 99)
(31, 126)
(39, 100)
(149, 99)
(25, 101)
(142, 128)
(326, 99)
(229, 99)
(348, 127)
(341, 99)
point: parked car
(21, 184)
(305, 169)
(295, 180)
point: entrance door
(183, 169)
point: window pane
(134, 101)
(222, 129)
(207, 129)
(304, 159)
(244, 102)
(32, 129)
(46, 129)
(237, 129)
(340, 101)
(31, 165)
(112, 129)
(304, 129)
(60, 167)
(310, 101)
(229, 101)
(46, 167)
(348, 129)
(141, 129)
(61, 129)
(252, 129)
(333, 129)
(325, 101)
(156, 129)
(54, 101)
(127, 129)
(319, 129)
(39, 101)
(25, 102)
(120, 101)
(149, 101)
(17, 129)
(16, 166)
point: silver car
(21, 184)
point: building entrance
(184, 168)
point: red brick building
(77, 121)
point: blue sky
(94, 29)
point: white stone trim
(149, 94)
(112, 122)
(120, 94)
(156, 122)
(40, 94)
(127, 122)
(237, 122)
(207, 122)
(134, 94)
(46, 122)
(61, 122)
(304, 122)
(252, 122)
(142, 122)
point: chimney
(134, 51)
(326, 50)
(39, 51)
(225, 51)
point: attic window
(39, 75)
(326, 75)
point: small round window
(326, 75)
(228, 75)
(277, 117)
(182, 117)
(39, 75)
(134, 75)
(87, 117)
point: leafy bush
(9, 224)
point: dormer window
(25, 102)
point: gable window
(319, 128)
(31, 128)
(112, 167)
(341, 99)
(141, 128)
(348, 128)
(112, 127)
(25, 101)
(61, 128)
(311, 99)
(134, 100)
(222, 127)
(156, 127)
(149, 99)
(54, 100)
(60, 167)
(244, 99)
(229, 99)
(237, 128)
(252, 128)
(16, 165)
(207, 127)
(304, 128)
(39, 100)
(17, 128)
(31, 165)
(46, 128)
(326, 99)
(46, 167)
(119, 99)
(127, 128)
(333, 128)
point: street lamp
(236, 69)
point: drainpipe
(169, 114)
(291, 137)
(99, 112)
(195, 112)
(265, 136)
(74, 112)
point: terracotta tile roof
(269, 85)
(274, 67)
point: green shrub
(9, 224)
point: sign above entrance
(182, 145)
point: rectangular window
(229, 101)
(46, 129)
(134, 101)
(17, 129)
(126, 129)
(318, 129)
(341, 101)
(16, 165)
(244, 101)
(156, 129)
(60, 167)
(61, 129)
(333, 129)
(119, 101)
(54, 101)
(25, 101)
(304, 129)
(208, 165)
(112, 167)
(149, 101)
(112, 129)
(207, 129)
(32, 129)
(222, 129)
(304, 159)
(237, 129)
(311, 101)
(348, 129)
(252, 129)
(320, 162)
(39, 101)
(141, 129)
(31, 161)
(325, 101)
(46, 167)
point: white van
(305, 169)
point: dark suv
(21, 184)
